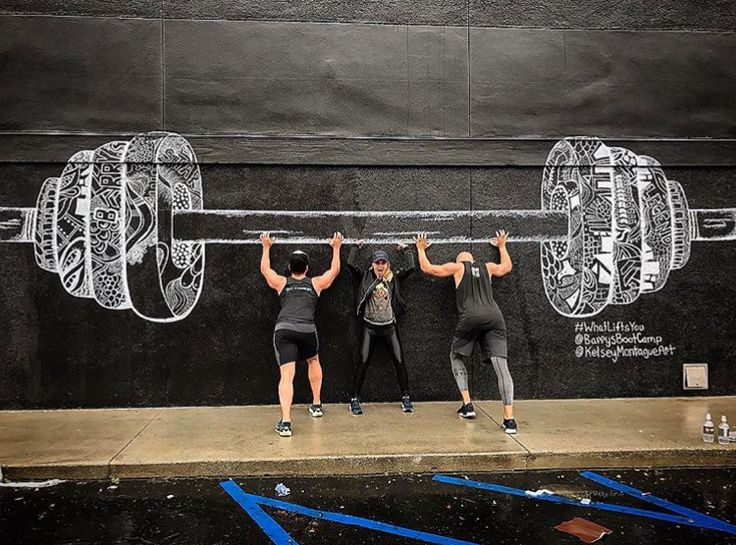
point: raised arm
(503, 268)
(411, 265)
(352, 261)
(441, 271)
(274, 280)
(325, 280)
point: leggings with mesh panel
(500, 366)
(388, 335)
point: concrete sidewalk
(240, 441)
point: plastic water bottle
(709, 430)
(723, 431)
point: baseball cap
(379, 255)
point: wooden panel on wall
(293, 78)
(608, 84)
(62, 73)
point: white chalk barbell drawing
(125, 225)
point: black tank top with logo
(298, 302)
(474, 293)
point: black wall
(372, 106)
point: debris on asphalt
(537, 493)
(585, 530)
(32, 484)
(282, 490)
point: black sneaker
(509, 426)
(406, 405)
(283, 428)
(315, 411)
(355, 409)
(466, 411)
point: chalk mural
(109, 224)
(629, 226)
(105, 226)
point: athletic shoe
(406, 405)
(509, 426)
(355, 409)
(315, 411)
(466, 411)
(283, 428)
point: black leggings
(389, 336)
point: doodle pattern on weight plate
(107, 228)
(72, 233)
(162, 176)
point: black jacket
(368, 281)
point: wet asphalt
(200, 511)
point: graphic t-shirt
(378, 309)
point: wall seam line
(467, 4)
(408, 71)
(163, 68)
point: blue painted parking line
(270, 527)
(684, 515)
(561, 499)
(703, 520)
(252, 503)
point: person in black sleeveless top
(479, 321)
(295, 335)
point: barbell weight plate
(626, 228)
(164, 276)
(107, 228)
(44, 237)
(656, 215)
(578, 273)
(680, 225)
(72, 226)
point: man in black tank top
(295, 335)
(479, 321)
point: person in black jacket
(379, 305)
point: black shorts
(489, 331)
(294, 345)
